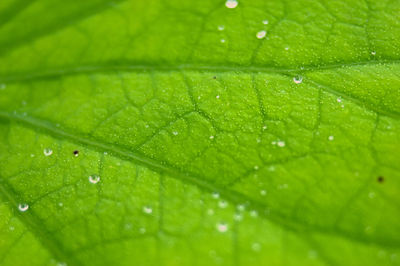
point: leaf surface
(198, 142)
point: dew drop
(240, 207)
(210, 212)
(263, 192)
(256, 247)
(238, 217)
(222, 204)
(60, 204)
(47, 151)
(94, 179)
(222, 41)
(253, 213)
(11, 228)
(281, 143)
(265, 22)
(298, 79)
(371, 195)
(23, 207)
(147, 209)
(175, 133)
(211, 137)
(215, 195)
(330, 138)
(286, 48)
(256, 167)
(373, 53)
(222, 227)
(142, 230)
(221, 27)
(231, 3)
(264, 127)
(261, 34)
(217, 96)
(76, 153)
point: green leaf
(180, 133)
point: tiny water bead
(222, 204)
(330, 138)
(210, 212)
(256, 247)
(222, 40)
(76, 153)
(261, 34)
(222, 227)
(238, 217)
(94, 179)
(253, 213)
(175, 133)
(23, 207)
(373, 53)
(298, 79)
(339, 100)
(263, 192)
(47, 151)
(265, 22)
(240, 207)
(211, 137)
(280, 143)
(231, 3)
(221, 27)
(215, 195)
(147, 209)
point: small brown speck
(215, 77)
(380, 179)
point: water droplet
(211, 137)
(76, 153)
(222, 40)
(373, 53)
(264, 127)
(238, 217)
(221, 27)
(371, 195)
(265, 22)
(283, 186)
(261, 34)
(256, 167)
(142, 230)
(23, 207)
(286, 48)
(94, 179)
(147, 209)
(339, 100)
(60, 204)
(298, 79)
(231, 3)
(253, 213)
(210, 212)
(215, 195)
(256, 247)
(32, 155)
(48, 151)
(217, 96)
(61, 264)
(241, 207)
(222, 204)
(263, 192)
(11, 228)
(222, 227)
(330, 138)
(175, 133)
(281, 143)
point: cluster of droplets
(231, 3)
(94, 179)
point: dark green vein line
(299, 227)
(33, 223)
(144, 67)
(13, 10)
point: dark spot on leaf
(380, 179)
(76, 152)
(215, 77)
